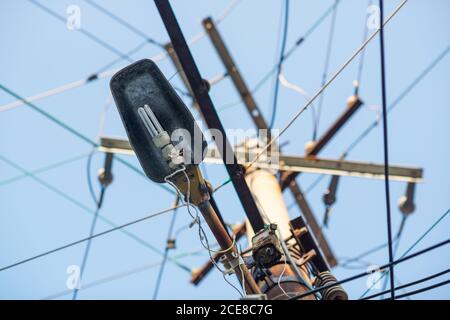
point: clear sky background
(39, 53)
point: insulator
(335, 292)
(309, 146)
(170, 244)
(406, 202)
(104, 174)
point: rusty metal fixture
(406, 202)
(335, 292)
(266, 250)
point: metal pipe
(226, 243)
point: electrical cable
(74, 132)
(196, 220)
(106, 74)
(442, 217)
(386, 151)
(71, 244)
(409, 284)
(98, 202)
(403, 258)
(166, 250)
(89, 242)
(83, 31)
(279, 64)
(434, 286)
(396, 240)
(311, 29)
(125, 23)
(363, 274)
(396, 243)
(357, 82)
(85, 208)
(43, 169)
(325, 69)
(322, 89)
(88, 173)
(399, 98)
(124, 274)
(289, 85)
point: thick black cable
(88, 238)
(409, 284)
(279, 65)
(396, 243)
(363, 274)
(124, 23)
(166, 250)
(325, 69)
(434, 286)
(386, 152)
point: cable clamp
(232, 264)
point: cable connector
(231, 264)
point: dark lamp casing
(142, 83)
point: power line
(73, 131)
(269, 73)
(84, 207)
(166, 250)
(44, 169)
(322, 89)
(126, 274)
(108, 65)
(71, 244)
(386, 151)
(106, 74)
(442, 217)
(89, 242)
(396, 240)
(434, 286)
(125, 24)
(83, 31)
(325, 69)
(409, 284)
(359, 73)
(311, 29)
(405, 92)
(98, 202)
(363, 274)
(279, 64)
(391, 107)
(404, 257)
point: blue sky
(39, 53)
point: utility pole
(267, 194)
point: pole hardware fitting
(307, 257)
(406, 202)
(196, 185)
(266, 247)
(231, 262)
(171, 244)
(105, 176)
